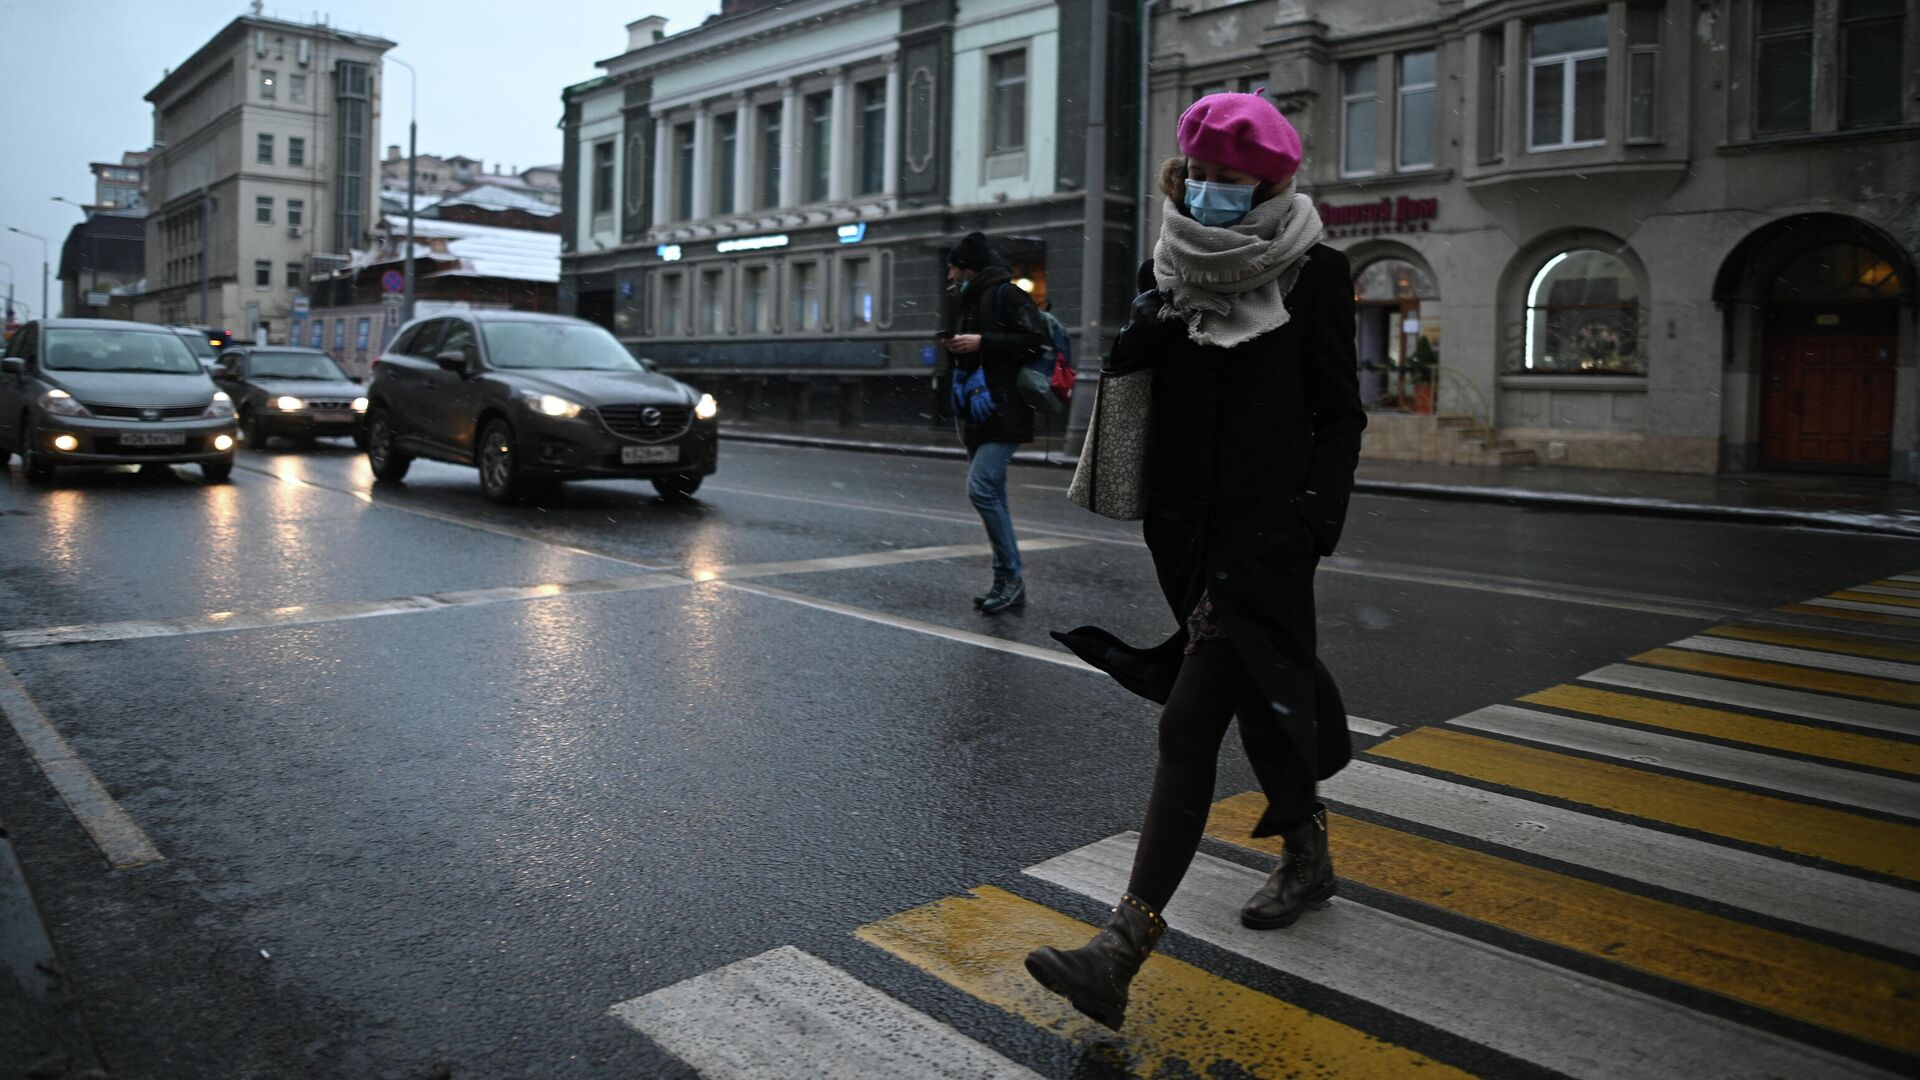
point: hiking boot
(1094, 977)
(1303, 878)
(1011, 594)
(999, 583)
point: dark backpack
(1060, 370)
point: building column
(702, 156)
(662, 141)
(840, 138)
(744, 147)
(792, 144)
(890, 183)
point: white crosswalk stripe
(786, 1013)
(1781, 654)
(1866, 714)
(1847, 787)
(1859, 605)
(1552, 1016)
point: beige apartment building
(264, 173)
(1676, 234)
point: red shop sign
(1401, 214)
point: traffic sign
(393, 281)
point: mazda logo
(149, 414)
(650, 416)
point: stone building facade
(1676, 235)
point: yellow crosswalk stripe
(1181, 1020)
(1804, 678)
(1823, 833)
(1910, 587)
(1875, 598)
(1881, 617)
(1867, 998)
(1846, 746)
(1850, 644)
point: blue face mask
(1218, 205)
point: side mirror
(452, 360)
(13, 365)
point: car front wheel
(217, 472)
(387, 462)
(677, 488)
(251, 432)
(33, 460)
(499, 461)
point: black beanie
(974, 253)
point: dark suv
(527, 398)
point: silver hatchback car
(106, 392)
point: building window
(263, 210)
(296, 211)
(806, 297)
(861, 299)
(1495, 139)
(293, 275)
(1007, 108)
(1783, 67)
(360, 328)
(683, 172)
(340, 335)
(713, 301)
(1583, 316)
(1359, 115)
(673, 298)
(1567, 83)
(872, 99)
(1871, 34)
(769, 178)
(297, 89)
(263, 149)
(726, 135)
(319, 334)
(352, 101)
(1643, 74)
(819, 112)
(1418, 88)
(603, 177)
(759, 300)
(296, 150)
(267, 89)
(262, 274)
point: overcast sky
(75, 75)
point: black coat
(1011, 337)
(1252, 453)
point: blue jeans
(987, 488)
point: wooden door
(1828, 404)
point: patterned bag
(1111, 479)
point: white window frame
(1569, 63)
(1347, 102)
(1025, 83)
(1401, 91)
(822, 278)
(772, 272)
(263, 141)
(258, 266)
(847, 266)
(263, 203)
(672, 321)
(296, 212)
(296, 142)
(297, 88)
(269, 85)
(1637, 52)
(717, 300)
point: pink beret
(1241, 131)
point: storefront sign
(668, 252)
(852, 234)
(751, 243)
(1401, 214)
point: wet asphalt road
(455, 837)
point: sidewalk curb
(34, 988)
(1837, 521)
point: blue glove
(972, 397)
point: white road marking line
(1531, 588)
(1866, 910)
(1903, 577)
(786, 1013)
(1047, 487)
(951, 517)
(1880, 590)
(118, 838)
(1369, 727)
(1898, 634)
(867, 560)
(1811, 779)
(1867, 714)
(1857, 605)
(1554, 1017)
(1782, 654)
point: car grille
(628, 420)
(135, 412)
(329, 405)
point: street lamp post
(413, 155)
(44, 268)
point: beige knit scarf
(1230, 285)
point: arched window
(1835, 272)
(1583, 317)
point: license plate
(152, 438)
(649, 455)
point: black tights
(1211, 689)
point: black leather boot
(1095, 976)
(1013, 594)
(1304, 877)
(999, 583)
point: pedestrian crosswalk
(1700, 862)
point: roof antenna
(256, 8)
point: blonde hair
(1173, 183)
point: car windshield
(555, 346)
(293, 365)
(197, 343)
(118, 350)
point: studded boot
(1094, 977)
(1303, 878)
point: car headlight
(220, 407)
(359, 404)
(708, 408)
(550, 404)
(58, 402)
(289, 403)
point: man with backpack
(996, 331)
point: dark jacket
(1011, 337)
(1252, 453)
